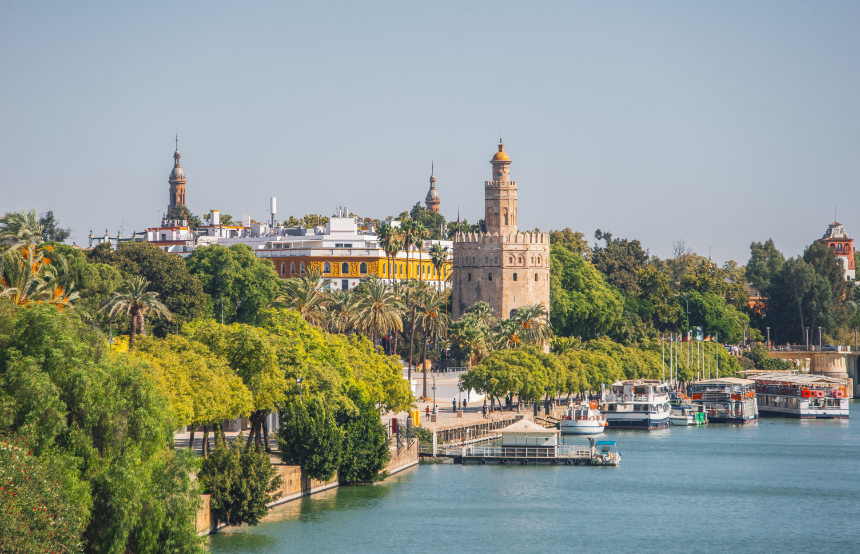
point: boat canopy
(605, 443)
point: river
(775, 485)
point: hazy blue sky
(718, 123)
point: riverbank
(775, 485)
(295, 485)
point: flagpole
(718, 355)
(671, 342)
(663, 357)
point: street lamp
(768, 336)
(434, 394)
(807, 336)
(819, 337)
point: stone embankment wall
(295, 485)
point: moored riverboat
(636, 404)
(582, 419)
(725, 400)
(688, 415)
(805, 396)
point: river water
(775, 485)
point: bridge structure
(841, 362)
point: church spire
(177, 179)
(432, 201)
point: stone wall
(507, 271)
(295, 485)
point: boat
(725, 400)
(687, 415)
(582, 419)
(636, 404)
(805, 396)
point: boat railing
(535, 452)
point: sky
(715, 123)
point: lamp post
(768, 336)
(819, 337)
(434, 394)
(806, 329)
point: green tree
(570, 239)
(136, 301)
(310, 437)
(581, 302)
(38, 513)
(168, 276)
(377, 309)
(798, 297)
(765, 262)
(657, 302)
(239, 283)
(51, 230)
(433, 222)
(106, 425)
(17, 228)
(252, 354)
(438, 257)
(365, 449)
(241, 480)
(307, 295)
(619, 260)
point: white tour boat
(582, 419)
(805, 396)
(636, 404)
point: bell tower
(500, 196)
(177, 180)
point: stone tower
(177, 180)
(501, 266)
(432, 200)
(842, 247)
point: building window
(400, 269)
(283, 268)
(163, 236)
(536, 276)
(515, 276)
(489, 276)
(292, 267)
(326, 267)
(344, 284)
(302, 268)
(469, 278)
(384, 270)
(839, 247)
(344, 268)
(362, 268)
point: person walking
(454, 401)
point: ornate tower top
(500, 196)
(432, 200)
(177, 180)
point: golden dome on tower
(501, 155)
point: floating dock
(600, 453)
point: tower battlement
(502, 266)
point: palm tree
(433, 319)
(438, 257)
(341, 311)
(391, 241)
(507, 335)
(419, 234)
(413, 289)
(307, 295)
(377, 310)
(483, 314)
(31, 273)
(470, 336)
(138, 302)
(408, 232)
(19, 228)
(534, 325)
